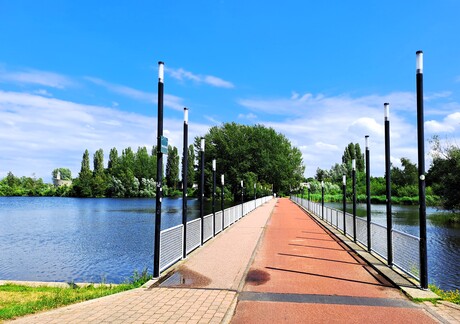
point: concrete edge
(398, 278)
(54, 284)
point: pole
(421, 173)
(388, 184)
(159, 189)
(222, 179)
(308, 190)
(255, 195)
(322, 200)
(214, 195)
(368, 194)
(202, 189)
(353, 175)
(344, 200)
(242, 198)
(184, 182)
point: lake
(443, 242)
(94, 240)
(82, 240)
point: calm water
(75, 240)
(443, 241)
(89, 240)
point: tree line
(442, 178)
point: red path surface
(299, 259)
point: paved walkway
(302, 274)
(203, 288)
(280, 269)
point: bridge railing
(406, 247)
(172, 239)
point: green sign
(164, 145)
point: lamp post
(421, 172)
(344, 200)
(368, 193)
(353, 175)
(214, 195)
(388, 184)
(202, 188)
(242, 198)
(222, 180)
(322, 200)
(255, 195)
(156, 253)
(184, 182)
(308, 191)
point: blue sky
(78, 75)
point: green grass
(18, 300)
(445, 219)
(452, 296)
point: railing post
(344, 200)
(214, 195)
(368, 194)
(353, 175)
(322, 200)
(421, 172)
(242, 198)
(202, 189)
(222, 180)
(184, 182)
(388, 185)
(159, 189)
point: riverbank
(23, 299)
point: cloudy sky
(78, 75)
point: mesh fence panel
(193, 234)
(379, 239)
(406, 252)
(171, 246)
(208, 227)
(218, 222)
(361, 230)
(349, 223)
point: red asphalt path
(302, 274)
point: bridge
(278, 264)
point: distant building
(58, 182)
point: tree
(141, 163)
(444, 174)
(99, 184)
(353, 151)
(112, 165)
(191, 166)
(83, 184)
(65, 173)
(172, 167)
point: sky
(78, 75)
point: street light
(322, 200)
(222, 182)
(242, 198)
(368, 193)
(353, 175)
(386, 108)
(308, 191)
(344, 200)
(214, 194)
(202, 188)
(185, 182)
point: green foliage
(243, 151)
(65, 173)
(172, 168)
(444, 174)
(452, 296)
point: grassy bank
(18, 300)
(452, 296)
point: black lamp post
(322, 200)
(353, 175)
(255, 195)
(214, 195)
(421, 172)
(202, 188)
(242, 198)
(156, 253)
(222, 180)
(308, 191)
(388, 184)
(185, 182)
(344, 201)
(368, 193)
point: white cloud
(449, 124)
(181, 75)
(43, 92)
(249, 116)
(43, 78)
(170, 101)
(41, 133)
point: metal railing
(406, 247)
(172, 239)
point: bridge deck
(274, 265)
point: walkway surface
(275, 265)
